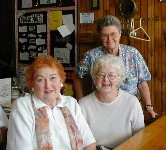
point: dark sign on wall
(32, 36)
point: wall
(153, 51)
(7, 49)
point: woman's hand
(151, 112)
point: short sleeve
(83, 66)
(143, 71)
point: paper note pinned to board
(23, 29)
(55, 19)
(67, 18)
(26, 4)
(41, 28)
(66, 29)
(5, 90)
(69, 46)
(62, 55)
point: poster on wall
(32, 36)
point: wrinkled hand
(151, 112)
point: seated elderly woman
(45, 119)
(112, 114)
(3, 128)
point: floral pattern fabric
(43, 131)
(136, 68)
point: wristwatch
(146, 106)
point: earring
(61, 84)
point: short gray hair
(109, 60)
(107, 21)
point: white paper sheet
(5, 90)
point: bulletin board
(32, 36)
(37, 32)
(63, 48)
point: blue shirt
(136, 68)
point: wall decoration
(127, 8)
(94, 4)
(32, 36)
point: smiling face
(47, 84)
(110, 36)
(107, 79)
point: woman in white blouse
(45, 119)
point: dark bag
(101, 147)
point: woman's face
(47, 84)
(107, 79)
(110, 36)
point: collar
(119, 48)
(61, 102)
(103, 49)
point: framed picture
(95, 4)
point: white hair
(109, 60)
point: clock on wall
(127, 8)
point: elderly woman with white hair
(112, 114)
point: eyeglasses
(113, 35)
(109, 76)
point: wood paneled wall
(153, 51)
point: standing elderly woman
(137, 73)
(113, 115)
(45, 119)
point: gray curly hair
(108, 20)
